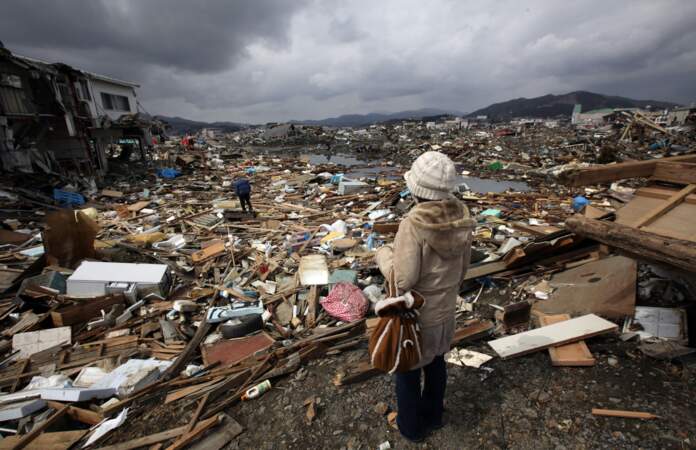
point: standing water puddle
(474, 184)
(483, 185)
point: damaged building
(56, 118)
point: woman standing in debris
(430, 255)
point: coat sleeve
(384, 259)
(466, 256)
(407, 256)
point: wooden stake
(624, 414)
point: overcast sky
(261, 60)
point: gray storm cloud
(255, 61)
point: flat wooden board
(216, 248)
(54, 441)
(606, 287)
(677, 223)
(230, 351)
(572, 330)
(135, 207)
(574, 354)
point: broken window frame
(115, 102)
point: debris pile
(155, 301)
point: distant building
(53, 116)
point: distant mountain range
(179, 125)
(545, 106)
(561, 105)
(361, 120)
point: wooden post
(613, 172)
(637, 243)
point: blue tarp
(168, 173)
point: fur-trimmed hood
(445, 225)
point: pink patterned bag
(345, 302)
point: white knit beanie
(432, 176)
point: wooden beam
(192, 435)
(613, 172)
(312, 303)
(574, 354)
(38, 429)
(663, 208)
(637, 243)
(185, 356)
(675, 172)
(81, 415)
(624, 414)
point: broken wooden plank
(674, 172)
(182, 360)
(637, 243)
(135, 207)
(203, 426)
(147, 440)
(574, 354)
(312, 303)
(230, 351)
(81, 415)
(620, 171)
(111, 193)
(473, 330)
(60, 440)
(385, 227)
(572, 330)
(228, 430)
(83, 311)
(623, 414)
(355, 373)
(215, 249)
(25, 440)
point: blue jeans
(420, 409)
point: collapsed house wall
(56, 118)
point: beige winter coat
(430, 254)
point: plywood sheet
(677, 223)
(574, 354)
(606, 287)
(230, 351)
(54, 441)
(572, 330)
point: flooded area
(484, 185)
(368, 166)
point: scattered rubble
(144, 313)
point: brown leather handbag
(395, 344)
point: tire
(241, 326)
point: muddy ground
(523, 403)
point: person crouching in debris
(242, 188)
(430, 255)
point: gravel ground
(522, 403)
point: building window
(115, 102)
(84, 89)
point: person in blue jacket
(242, 188)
